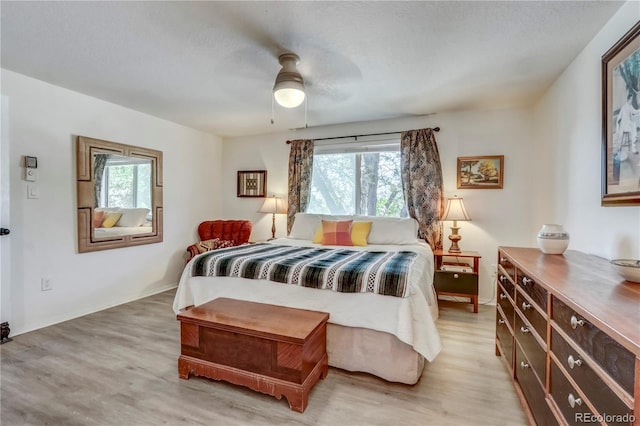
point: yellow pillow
(359, 233)
(317, 237)
(111, 219)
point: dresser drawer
(507, 307)
(507, 285)
(535, 318)
(617, 361)
(456, 282)
(507, 266)
(533, 391)
(505, 338)
(536, 355)
(537, 293)
(570, 403)
(602, 397)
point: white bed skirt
(370, 351)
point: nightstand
(456, 283)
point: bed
(118, 231)
(366, 330)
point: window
(357, 178)
(126, 183)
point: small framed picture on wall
(252, 183)
(480, 172)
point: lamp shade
(273, 205)
(289, 94)
(455, 210)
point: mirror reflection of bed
(123, 196)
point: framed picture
(252, 183)
(621, 121)
(480, 172)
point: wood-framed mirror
(119, 195)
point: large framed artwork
(621, 121)
(252, 183)
(480, 172)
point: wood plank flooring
(119, 367)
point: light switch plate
(33, 191)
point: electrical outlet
(45, 284)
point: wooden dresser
(568, 328)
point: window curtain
(99, 162)
(300, 168)
(422, 183)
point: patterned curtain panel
(300, 168)
(422, 183)
(99, 162)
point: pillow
(359, 233)
(208, 245)
(111, 219)
(98, 217)
(304, 224)
(336, 233)
(391, 230)
(132, 217)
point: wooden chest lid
(257, 319)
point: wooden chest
(271, 349)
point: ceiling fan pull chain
(272, 108)
(306, 99)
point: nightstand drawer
(456, 282)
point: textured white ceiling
(212, 65)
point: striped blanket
(341, 270)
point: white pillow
(132, 217)
(305, 225)
(391, 230)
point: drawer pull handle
(502, 278)
(503, 296)
(573, 401)
(575, 322)
(524, 365)
(503, 259)
(525, 306)
(456, 276)
(500, 321)
(526, 281)
(524, 330)
(573, 362)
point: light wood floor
(119, 367)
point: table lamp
(455, 211)
(273, 205)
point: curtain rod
(435, 129)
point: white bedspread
(411, 319)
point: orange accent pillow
(98, 217)
(336, 233)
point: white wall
(500, 216)
(568, 128)
(43, 120)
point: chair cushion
(208, 245)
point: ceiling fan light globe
(289, 94)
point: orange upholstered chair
(220, 233)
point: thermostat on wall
(30, 162)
